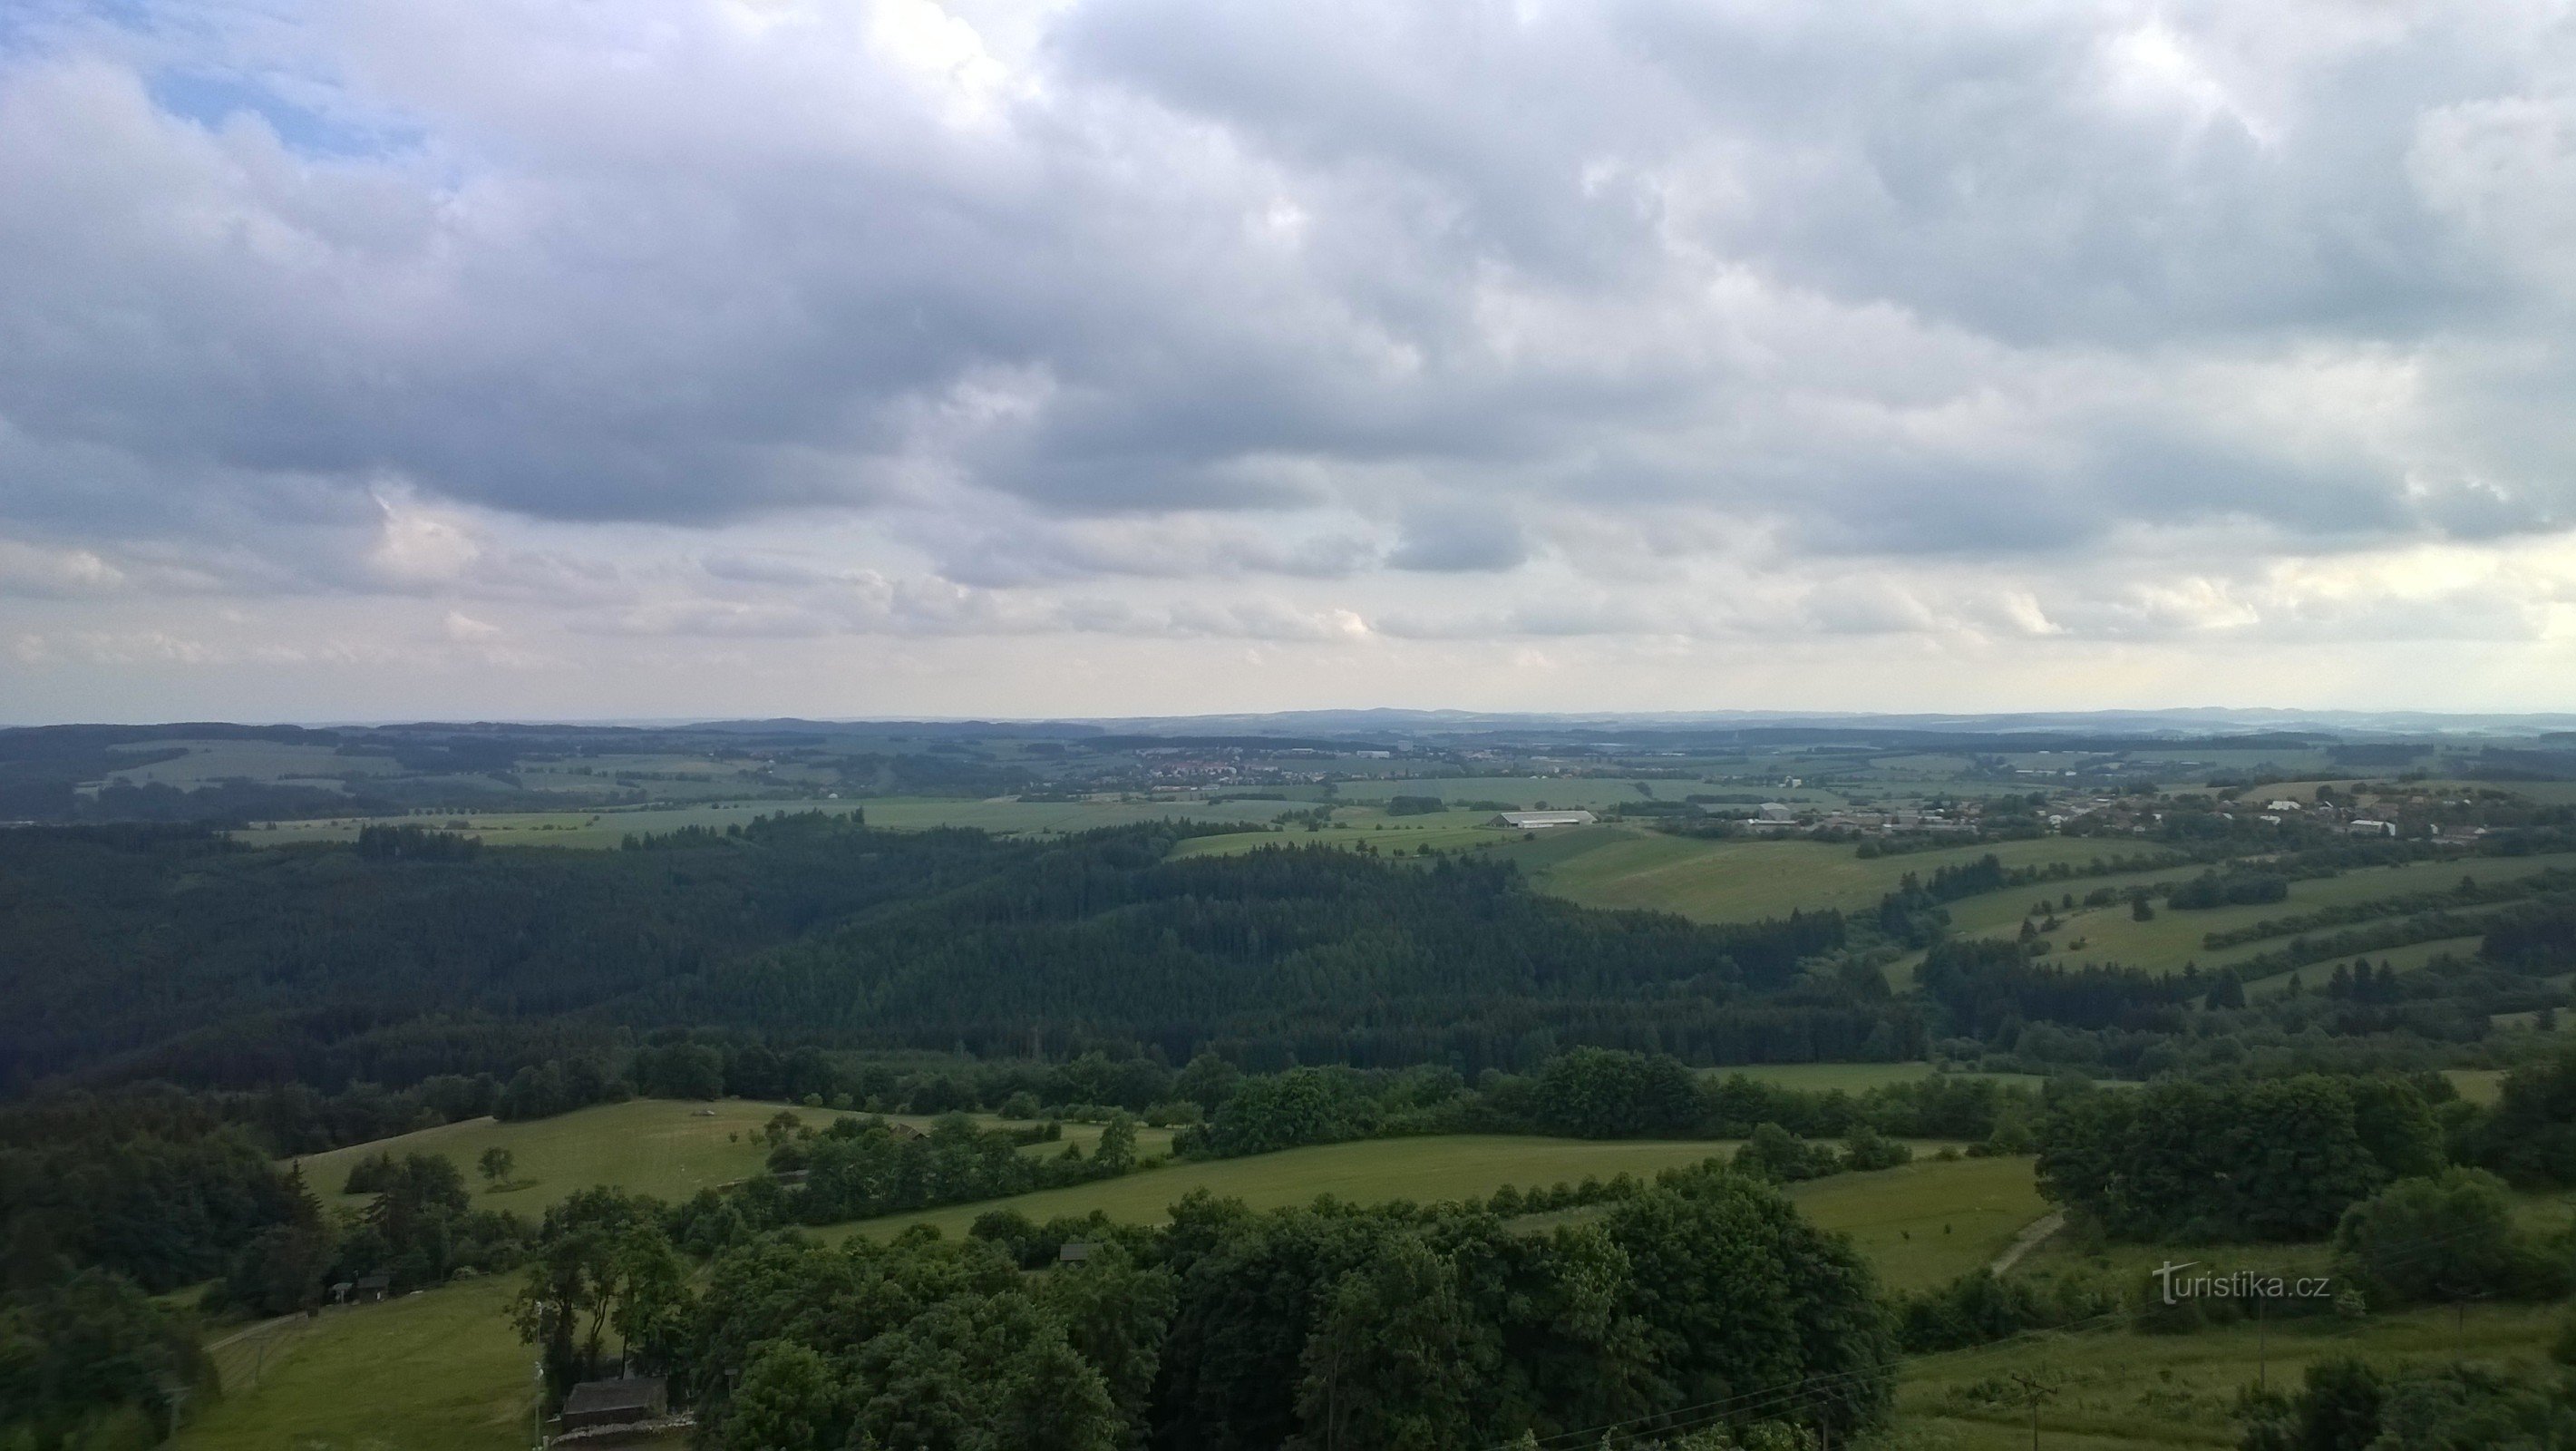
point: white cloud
(1145, 324)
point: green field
(1455, 1166)
(606, 827)
(2122, 1391)
(1743, 879)
(1354, 827)
(2171, 938)
(1854, 1077)
(262, 761)
(1560, 793)
(655, 1146)
(1920, 1224)
(442, 1371)
(437, 1371)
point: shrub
(2449, 1237)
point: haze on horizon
(726, 358)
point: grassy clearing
(2171, 938)
(1920, 1224)
(1355, 827)
(1454, 1166)
(1929, 1221)
(2477, 1085)
(1855, 1077)
(2121, 1391)
(1523, 793)
(1742, 879)
(264, 761)
(437, 1371)
(648, 1145)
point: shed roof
(633, 1393)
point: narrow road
(2031, 1237)
(247, 1331)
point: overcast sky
(371, 359)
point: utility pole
(2262, 1346)
(2034, 1391)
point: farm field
(264, 761)
(1353, 827)
(605, 828)
(1855, 1077)
(1920, 1224)
(1742, 879)
(663, 1147)
(436, 1371)
(2173, 938)
(2122, 1391)
(1426, 1169)
(2404, 959)
(1522, 793)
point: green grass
(662, 1147)
(2121, 1391)
(2173, 938)
(265, 761)
(1929, 1221)
(2477, 1085)
(607, 826)
(1920, 1224)
(442, 1371)
(1561, 793)
(437, 1371)
(1743, 879)
(1455, 1166)
(1854, 1077)
(1355, 827)
(2404, 959)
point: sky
(374, 360)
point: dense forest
(163, 951)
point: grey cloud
(1256, 296)
(1457, 539)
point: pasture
(436, 1371)
(2172, 938)
(1743, 879)
(207, 762)
(1353, 828)
(667, 1148)
(1920, 1224)
(1855, 1077)
(2118, 1390)
(442, 1370)
(604, 828)
(1456, 1166)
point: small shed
(620, 1402)
(372, 1287)
(1073, 1252)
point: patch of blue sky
(212, 99)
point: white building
(1533, 820)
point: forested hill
(170, 952)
